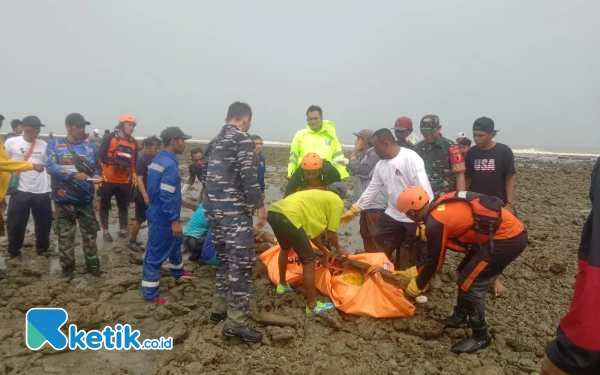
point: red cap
(403, 123)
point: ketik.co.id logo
(43, 326)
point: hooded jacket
(324, 143)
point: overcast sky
(532, 66)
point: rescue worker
(576, 348)
(403, 128)
(231, 193)
(299, 219)
(490, 244)
(164, 229)
(362, 168)
(71, 163)
(152, 147)
(398, 169)
(318, 137)
(312, 174)
(118, 155)
(444, 163)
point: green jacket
(324, 143)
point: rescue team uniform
(363, 168)
(32, 196)
(324, 143)
(118, 157)
(451, 225)
(576, 349)
(73, 201)
(393, 176)
(303, 216)
(327, 175)
(164, 193)
(231, 193)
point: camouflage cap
(429, 123)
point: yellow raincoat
(324, 143)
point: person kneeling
(296, 219)
(495, 239)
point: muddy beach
(552, 199)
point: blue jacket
(61, 168)
(260, 171)
(164, 189)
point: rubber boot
(458, 319)
(480, 339)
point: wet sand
(552, 199)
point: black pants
(19, 206)
(393, 235)
(479, 269)
(122, 193)
(290, 237)
(368, 228)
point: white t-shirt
(30, 181)
(395, 175)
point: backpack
(487, 211)
(120, 157)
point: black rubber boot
(215, 318)
(246, 333)
(458, 319)
(480, 339)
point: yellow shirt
(8, 165)
(313, 210)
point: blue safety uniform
(164, 193)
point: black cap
(32, 121)
(75, 119)
(173, 132)
(338, 188)
(484, 124)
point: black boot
(458, 319)
(246, 333)
(476, 311)
(215, 318)
(479, 340)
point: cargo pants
(234, 247)
(66, 218)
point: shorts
(140, 210)
(290, 237)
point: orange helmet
(412, 198)
(127, 118)
(312, 162)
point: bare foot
(499, 288)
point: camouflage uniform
(65, 224)
(73, 201)
(231, 193)
(442, 159)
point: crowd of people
(414, 200)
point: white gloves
(185, 188)
(342, 161)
